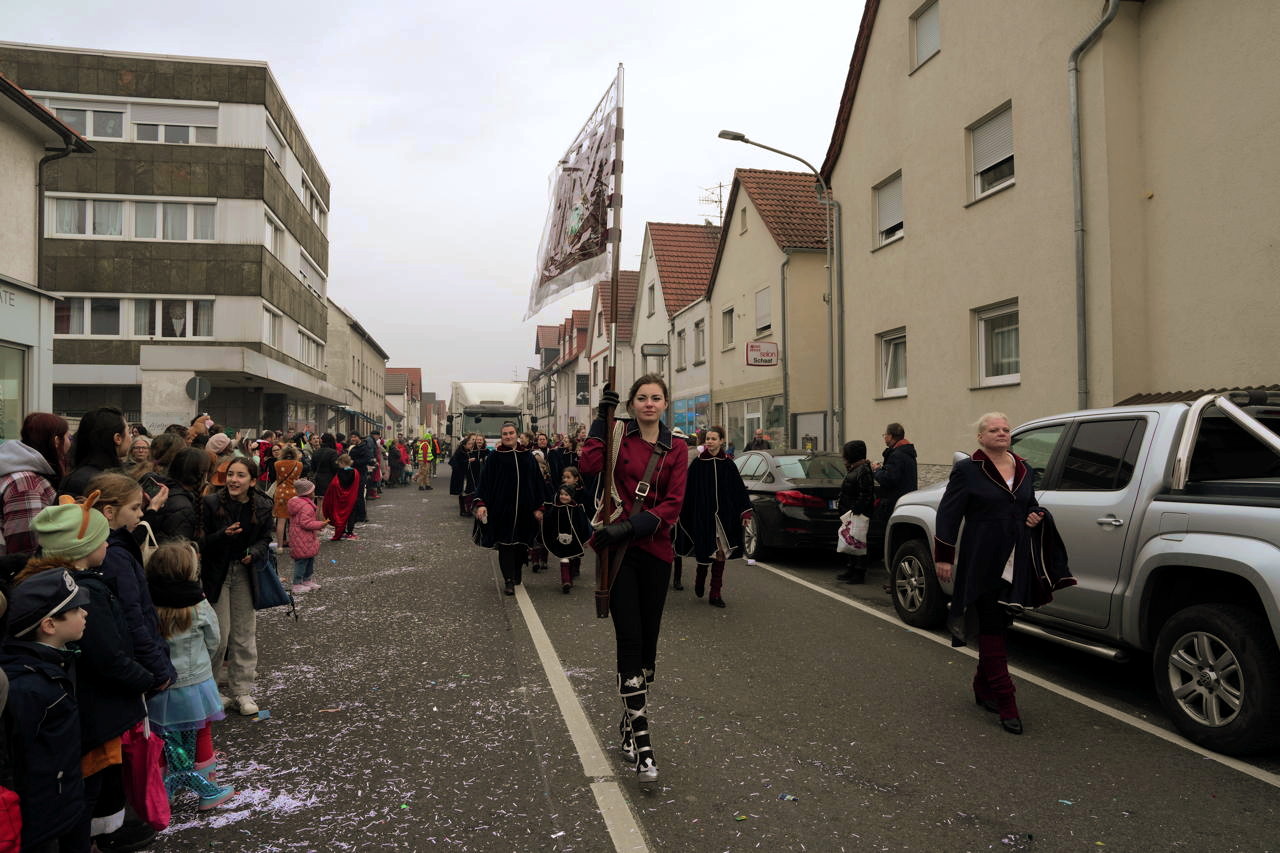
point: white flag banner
(575, 251)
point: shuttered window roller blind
(889, 204)
(993, 140)
(153, 114)
(928, 39)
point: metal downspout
(782, 352)
(40, 205)
(1077, 188)
(838, 254)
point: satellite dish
(199, 388)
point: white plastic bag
(852, 536)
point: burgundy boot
(993, 661)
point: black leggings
(510, 559)
(993, 617)
(636, 600)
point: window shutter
(152, 114)
(889, 204)
(928, 41)
(993, 140)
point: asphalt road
(410, 710)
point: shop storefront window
(13, 375)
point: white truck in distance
(483, 407)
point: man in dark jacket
(895, 477)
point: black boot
(855, 573)
(676, 568)
(634, 690)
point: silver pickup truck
(1171, 518)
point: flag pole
(604, 557)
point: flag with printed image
(575, 251)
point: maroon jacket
(655, 524)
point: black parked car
(793, 498)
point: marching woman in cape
(1010, 557)
(508, 505)
(715, 507)
(465, 469)
(648, 484)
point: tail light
(794, 498)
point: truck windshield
(490, 426)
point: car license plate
(831, 504)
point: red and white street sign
(762, 354)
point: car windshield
(826, 467)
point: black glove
(609, 401)
(613, 534)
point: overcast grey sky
(438, 124)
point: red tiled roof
(581, 318)
(413, 374)
(628, 281)
(548, 338)
(850, 88)
(685, 255)
(789, 205)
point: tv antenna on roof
(714, 197)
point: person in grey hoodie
(28, 478)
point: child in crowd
(566, 526)
(304, 545)
(184, 712)
(54, 737)
(46, 612)
(340, 499)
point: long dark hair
(190, 468)
(95, 442)
(39, 429)
(327, 440)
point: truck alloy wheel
(1214, 671)
(917, 597)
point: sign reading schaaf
(762, 354)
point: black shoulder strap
(646, 482)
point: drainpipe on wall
(837, 413)
(1077, 187)
(782, 350)
(40, 205)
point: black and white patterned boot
(633, 688)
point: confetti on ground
(1066, 802)
(789, 797)
(263, 715)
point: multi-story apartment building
(954, 160)
(193, 244)
(404, 391)
(30, 136)
(357, 365)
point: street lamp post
(825, 194)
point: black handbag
(268, 591)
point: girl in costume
(508, 505)
(340, 499)
(566, 527)
(715, 507)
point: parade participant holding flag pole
(642, 491)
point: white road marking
(621, 822)
(1128, 719)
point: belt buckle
(642, 490)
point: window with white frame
(893, 363)
(311, 201)
(726, 328)
(925, 34)
(764, 311)
(275, 144)
(309, 274)
(600, 323)
(133, 219)
(272, 327)
(653, 302)
(120, 317)
(999, 360)
(680, 350)
(105, 123)
(595, 373)
(742, 220)
(699, 342)
(273, 236)
(889, 226)
(310, 349)
(991, 142)
(174, 124)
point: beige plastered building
(771, 249)
(952, 162)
